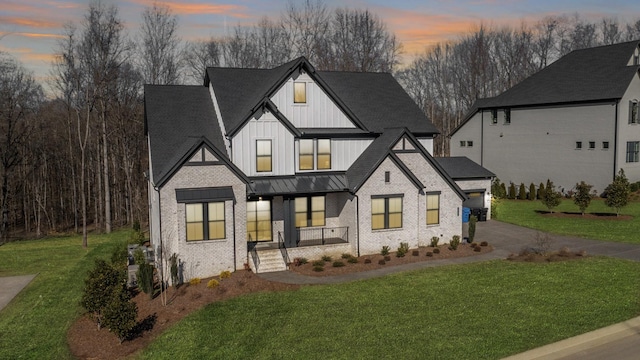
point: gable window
(605, 145)
(633, 148)
(633, 112)
(494, 116)
(578, 145)
(259, 220)
(463, 143)
(507, 116)
(592, 145)
(314, 152)
(310, 211)
(387, 177)
(469, 143)
(386, 212)
(263, 155)
(299, 93)
(205, 221)
(433, 209)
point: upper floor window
(386, 212)
(469, 143)
(318, 149)
(578, 145)
(310, 211)
(205, 221)
(633, 112)
(299, 93)
(463, 143)
(633, 148)
(605, 145)
(507, 116)
(592, 145)
(494, 116)
(263, 156)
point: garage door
(476, 200)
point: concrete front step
(270, 261)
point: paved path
(11, 286)
(619, 341)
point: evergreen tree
(618, 192)
(512, 191)
(503, 188)
(541, 191)
(497, 189)
(551, 198)
(522, 192)
(532, 192)
(582, 197)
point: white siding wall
(282, 146)
(471, 131)
(427, 143)
(318, 112)
(628, 132)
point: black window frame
(270, 156)
(507, 116)
(578, 145)
(206, 221)
(387, 213)
(310, 211)
(633, 150)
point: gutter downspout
(357, 224)
(481, 138)
(162, 260)
(235, 258)
(615, 141)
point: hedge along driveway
(34, 325)
(483, 311)
(528, 214)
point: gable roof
(599, 73)
(461, 168)
(178, 121)
(371, 100)
(380, 149)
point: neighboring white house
(577, 119)
(260, 166)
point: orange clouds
(31, 35)
(30, 22)
(193, 8)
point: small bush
(429, 254)
(434, 241)
(138, 257)
(326, 258)
(213, 283)
(477, 249)
(225, 274)
(195, 281)
(120, 314)
(381, 262)
(338, 264)
(387, 258)
(436, 251)
(415, 253)
(145, 279)
(455, 242)
(484, 243)
(352, 260)
(318, 263)
(385, 250)
(367, 261)
(346, 256)
(473, 244)
(100, 284)
(318, 268)
(303, 261)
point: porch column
(290, 233)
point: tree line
(75, 159)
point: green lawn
(478, 311)
(522, 212)
(34, 325)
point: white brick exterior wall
(477, 185)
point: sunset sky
(30, 29)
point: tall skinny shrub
(532, 192)
(145, 278)
(541, 191)
(582, 197)
(512, 191)
(472, 227)
(551, 197)
(618, 192)
(522, 192)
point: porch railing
(283, 249)
(256, 259)
(322, 236)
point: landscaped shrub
(346, 256)
(120, 313)
(145, 278)
(99, 287)
(318, 268)
(436, 251)
(494, 208)
(497, 189)
(225, 274)
(455, 242)
(477, 249)
(473, 245)
(120, 256)
(484, 243)
(381, 262)
(352, 260)
(429, 254)
(618, 192)
(541, 191)
(138, 257)
(137, 236)
(522, 192)
(385, 250)
(402, 249)
(582, 197)
(326, 258)
(512, 191)
(532, 192)
(472, 227)
(503, 189)
(195, 281)
(434, 241)
(318, 263)
(416, 253)
(300, 261)
(387, 258)
(367, 261)
(213, 283)
(551, 197)
(338, 264)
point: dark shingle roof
(177, 118)
(598, 73)
(461, 167)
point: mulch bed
(589, 216)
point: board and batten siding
(318, 112)
(628, 132)
(427, 143)
(343, 153)
(267, 127)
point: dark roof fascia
(266, 103)
(437, 166)
(418, 184)
(187, 155)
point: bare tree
(199, 55)
(308, 28)
(611, 32)
(20, 97)
(159, 54)
(633, 31)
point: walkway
(620, 341)
(10, 287)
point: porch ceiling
(298, 184)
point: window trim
(309, 211)
(592, 145)
(296, 99)
(578, 145)
(507, 116)
(463, 143)
(315, 166)
(257, 221)
(206, 220)
(300, 154)
(494, 116)
(429, 194)
(469, 143)
(605, 145)
(386, 213)
(633, 154)
(634, 112)
(270, 156)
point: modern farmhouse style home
(577, 119)
(259, 166)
